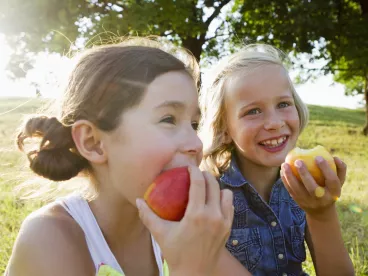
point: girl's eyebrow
(176, 105)
(248, 105)
(286, 97)
(257, 102)
(171, 104)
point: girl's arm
(324, 238)
(326, 245)
(228, 265)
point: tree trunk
(365, 130)
(194, 45)
(364, 7)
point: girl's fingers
(197, 190)
(212, 191)
(299, 189)
(307, 179)
(332, 181)
(154, 223)
(227, 206)
(341, 169)
(286, 184)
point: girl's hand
(193, 245)
(311, 197)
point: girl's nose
(192, 144)
(273, 121)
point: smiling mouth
(274, 143)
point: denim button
(273, 224)
(235, 242)
(280, 256)
(284, 274)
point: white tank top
(100, 252)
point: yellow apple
(308, 157)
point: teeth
(274, 142)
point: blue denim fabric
(268, 239)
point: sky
(51, 71)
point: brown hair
(105, 82)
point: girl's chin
(274, 161)
(273, 164)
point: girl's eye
(284, 104)
(254, 111)
(169, 120)
(195, 125)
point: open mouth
(275, 144)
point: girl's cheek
(292, 115)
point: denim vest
(268, 239)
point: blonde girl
(252, 117)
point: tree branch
(330, 69)
(215, 35)
(216, 12)
(209, 3)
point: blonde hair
(216, 153)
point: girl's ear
(88, 142)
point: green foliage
(353, 84)
(55, 26)
(337, 28)
(334, 30)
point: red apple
(168, 195)
(308, 157)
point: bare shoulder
(50, 242)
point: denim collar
(234, 178)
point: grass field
(337, 129)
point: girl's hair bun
(56, 158)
